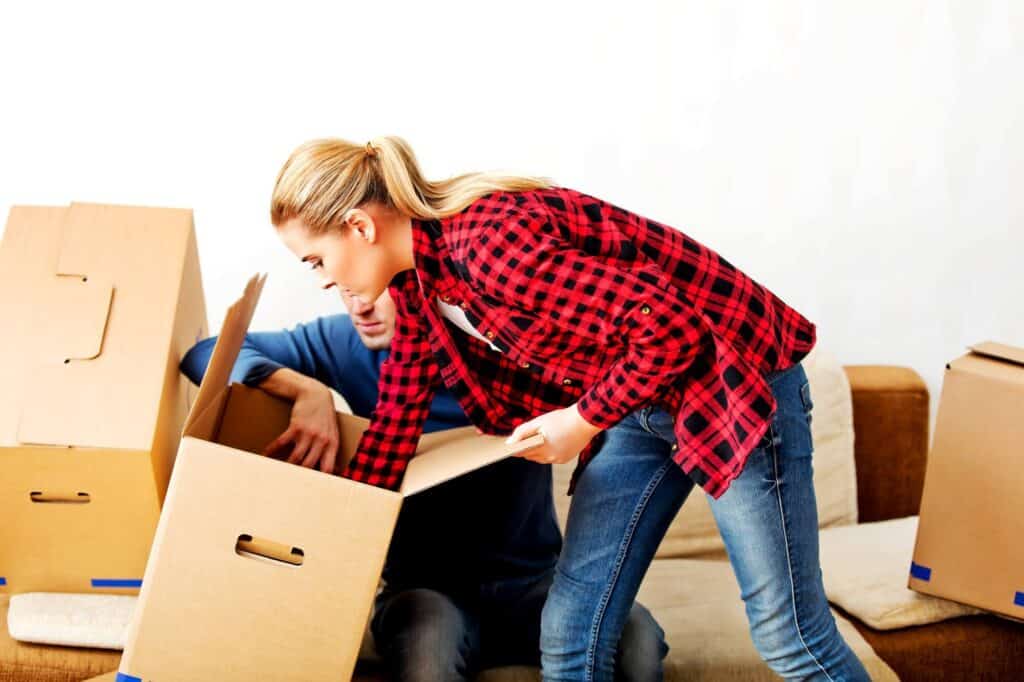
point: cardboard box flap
(999, 351)
(80, 287)
(225, 352)
(82, 304)
(444, 455)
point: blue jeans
(430, 636)
(625, 500)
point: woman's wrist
(591, 429)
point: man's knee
(642, 647)
(423, 635)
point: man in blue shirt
(470, 561)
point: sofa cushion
(694, 533)
(697, 603)
(865, 570)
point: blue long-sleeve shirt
(495, 523)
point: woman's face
(352, 258)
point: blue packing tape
(121, 677)
(116, 582)
(1018, 599)
(3, 581)
(920, 572)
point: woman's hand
(565, 433)
(313, 431)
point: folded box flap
(225, 352)
(999, 351)
(444, 455)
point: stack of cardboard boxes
(99, 304)
(259, 569)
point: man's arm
(299, 365)
(271, 360)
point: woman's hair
(322, 179)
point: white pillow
(89, 620)
(865, 568)
(694, 533)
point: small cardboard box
(969, 545)
(264, 570)
(99, 304)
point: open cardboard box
(969, 545)
(100, 303)
(264, 570)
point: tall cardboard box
(99, 304)
(264, 570)
(969, 540)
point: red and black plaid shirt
(589, 303)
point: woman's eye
(315, 264)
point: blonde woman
(620, 340)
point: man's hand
(565, 433)
(312, 436)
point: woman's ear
(360, 221)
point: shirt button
(446, 298)
(567, 382)
(675, 446)
(524, 365)
(646, 310)
(489, 335)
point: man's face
(374, 322)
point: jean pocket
(805, 399)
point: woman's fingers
(524, 430)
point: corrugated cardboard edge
(444, 455)
(999, 351)
(225, 352)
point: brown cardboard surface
(968, 545)
(1000, 351)
(101, 303)
(207, 611)
(208, 607)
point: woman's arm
(409, 378)
(524, 261)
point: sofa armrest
(890, 423)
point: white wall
(862, 159)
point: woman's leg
(768, 519)
(624, 501)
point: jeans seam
(595, 626)
(789, 563)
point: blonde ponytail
(324, 178)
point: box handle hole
(268, 550)
(40, 497)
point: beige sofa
(690, 587)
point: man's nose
(359, 306)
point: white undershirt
(458, 316)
